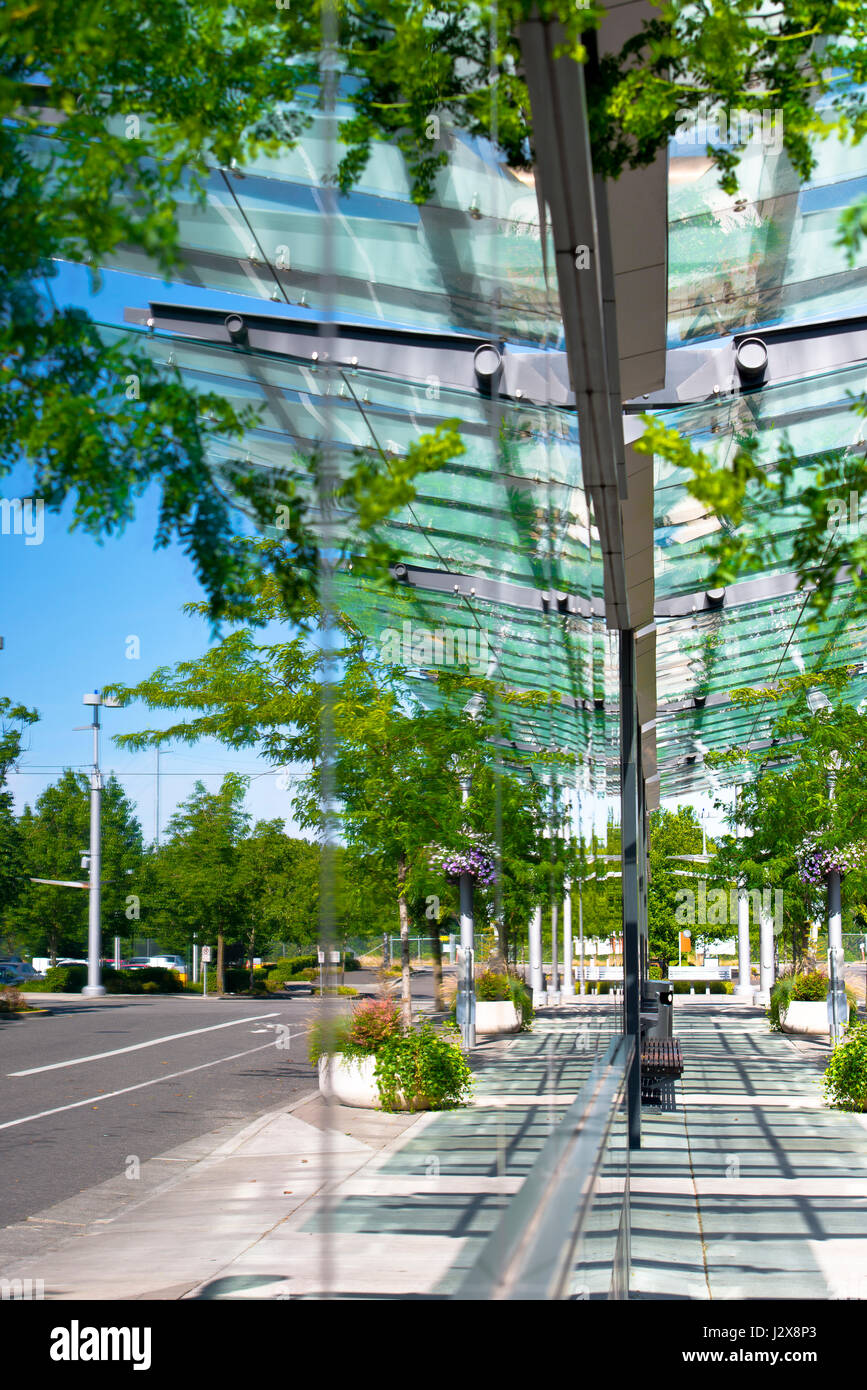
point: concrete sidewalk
(750, 1188)
(377, 1205)
(746, 1188)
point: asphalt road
(87, 1087)
(95, 1095)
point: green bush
(60, 979)
(700, 986)
(846, 1073)
(781, 997)
(522, 997)
(153, 979)
(812, 987)
(422, 1069)
(291, 968)
(492, 987)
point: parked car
(15, 972)
(138, 963)
(170, 962)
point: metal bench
(661, 1062)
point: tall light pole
(745, 976)
(567, 986)
(94, 984)
(818, 701)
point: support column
(745, 983)
(568, 985)
(554, 982)
(466, 962)
(630, 832)
(537, 980)
(835, 912)
(766, 955)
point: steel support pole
(835, 953)
(745, 981)
(631, 845)
(537, 979)
(554, 982)
(835, 913)
(94, 984)
(766, 956)
(467, 944)
(568, 985)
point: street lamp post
(817, 700)
(94, 984)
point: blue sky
(70, 603)
(69, 606)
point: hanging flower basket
(816, 862)
(477, 861)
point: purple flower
(478, 861)
(816, 862)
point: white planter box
(807, 1017)
(349, 1080)
(352, 1081)
(495, 1016)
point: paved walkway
(750, 1188)
(746, 1188)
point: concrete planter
(806, 1017)
(349, 1080)
(495, 1016)
(352, 1081)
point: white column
(766, 956)
(745, 988)
(537, 980)
(554, 982)
(835, 913)
(94, 984)
(568, 985)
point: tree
(396, 767)
(196, 876)
(673, 835)
(55, 835)
(14, 719)
(810, 786)
(279, 879)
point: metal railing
(565, 1235)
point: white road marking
(136, 1047)
(107, 1095)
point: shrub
(846, 1073)
(11, 1000)
(491, 987)
(66, 979)
(291, 968)
(684, 986)
(153, 979)
(522, 997)
(422, 1069)
(781, 996)
(359, 1034)
(812, 987)
(373, 1022)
